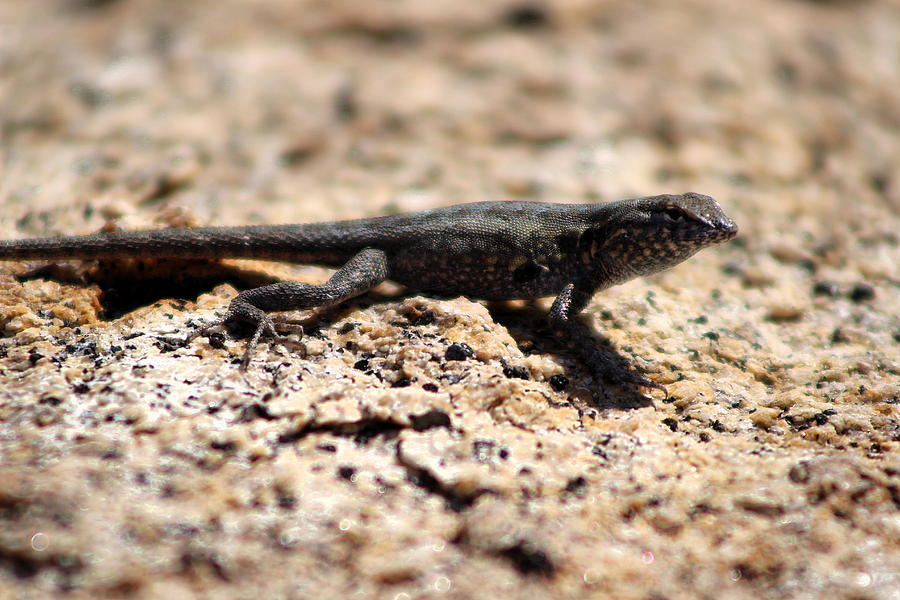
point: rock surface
(421, 447)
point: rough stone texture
(383, 463)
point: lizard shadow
(529, 326)
(128, 284)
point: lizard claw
(265, 325)
(203, 329)
(269, 327)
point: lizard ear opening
(674, 214)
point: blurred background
(779, 107)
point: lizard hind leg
(361, 273)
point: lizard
(494, 250)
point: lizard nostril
(728, 227)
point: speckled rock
(418, 447)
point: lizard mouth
(714, 233)
(726, 230)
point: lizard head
(647, 235)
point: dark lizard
(485, 250)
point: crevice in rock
(364, 430)
(455, 500)
(525, 556)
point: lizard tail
(300, 244)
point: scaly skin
(486, 250)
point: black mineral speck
(820, 418)
(482, 450)
(526, 16)
(862, 292)
(838, 336)
(577, 486)
(401, 383)
(459, 351)
(422, 318)
(254, 411)
(347, 327)
(217, 340)
(346, 472)
(286, 500)
(516, 372)
(430, 387)
(361, 365)
(559, 382)
(826, 288)
(670, 423)
(228, 447)
(528, 559)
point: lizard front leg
(564, 317)
(361, 273)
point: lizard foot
(265, 326)
(602, 370)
